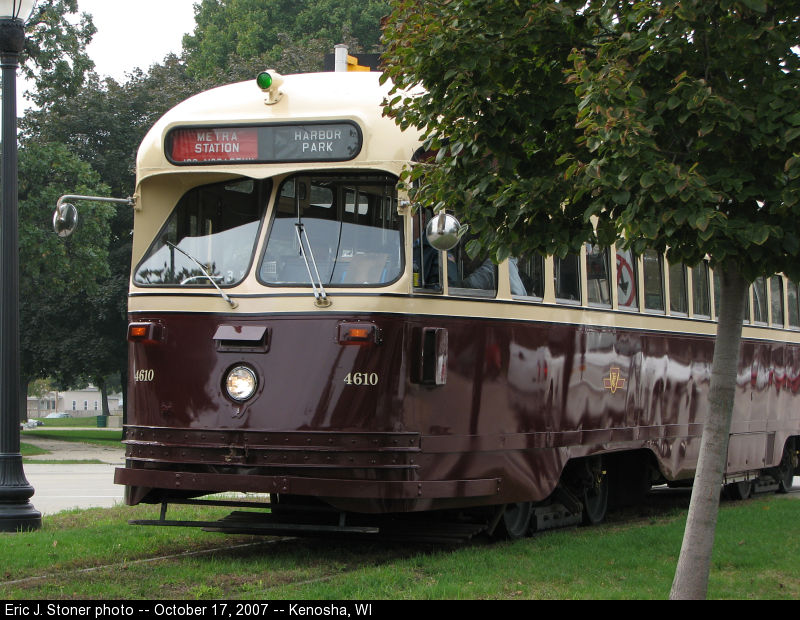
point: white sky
(130, 34)
(136, 33)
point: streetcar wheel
(785, 471)
(739, 490)
(595, 495)
(516, 521)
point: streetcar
(298, 337)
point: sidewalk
(63, 486)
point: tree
(103, 121)
(231, 31)
(103, 125)
(688, 134)
(58, 279)
(55, 55)
(499, 114)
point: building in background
(77, 403)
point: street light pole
(16, 511)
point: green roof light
(264, 80)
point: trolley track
(326, 558)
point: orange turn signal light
(145, 332)
(358, 333)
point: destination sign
(338, 141)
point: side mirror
(442, 231)
(65, 219)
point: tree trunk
(101, 383)
(691, 574)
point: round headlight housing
(241, 383)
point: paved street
(60, 487)
(63, 486)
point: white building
(77, 403)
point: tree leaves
(707, 146)
(647, 121)
(58, 279)
(496, 95)
(242, 30)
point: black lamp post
(16, 511)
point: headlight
(241, 383)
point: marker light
(145, 332)
(270, 81)
(264, 80)
(358, 333)
(241, 383)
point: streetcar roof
(348, 96)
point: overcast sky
(136, 33)
(131, 34)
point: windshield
(217, 226)
(350, 223)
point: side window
(653, 281)
(760, 300)
(627, 276)
(701, 301)
(598, 276)
(527, 274)
(470, 276)
(427, 260)
(678, 303)
(567, 275)
(776, 300)
(793, 307)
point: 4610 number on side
(361, 378)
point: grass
(755, 556)
(28, 450)
(81, 435)
(82, 422)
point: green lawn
(28, 450)
(90, 421)
(82, 435)
(755, 557)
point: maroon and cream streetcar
(294, 334)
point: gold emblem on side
(614, 381)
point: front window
(350, 223)
(214, 225)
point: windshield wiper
(205, 273)
(320, 297)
